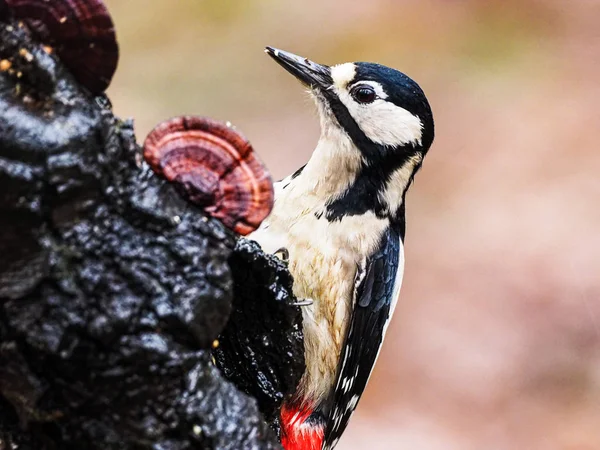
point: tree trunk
(114, 290)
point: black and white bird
(340, 222)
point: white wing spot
(352, 403)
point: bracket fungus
(81, 32)
(214, 167)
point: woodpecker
(339, 223)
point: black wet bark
(113, 289)
(258, 349)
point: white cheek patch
(382, 122)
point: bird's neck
(334, 165)
(339, 172)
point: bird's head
(378, 107)
(376, 127)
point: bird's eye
(364, 94)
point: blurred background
(495, 342)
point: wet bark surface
(258, 349)
(114, 290)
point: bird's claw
(303, 302)
(283, 254)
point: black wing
(374, 296)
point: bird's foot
(303, 302)
(283, 254)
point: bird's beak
(309, 73)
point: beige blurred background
(496, 339)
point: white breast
(324, 257)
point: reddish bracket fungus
(214, 167)
(81, 32)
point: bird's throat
(334, 165)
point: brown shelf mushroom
(214, 167)
(80, 31)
